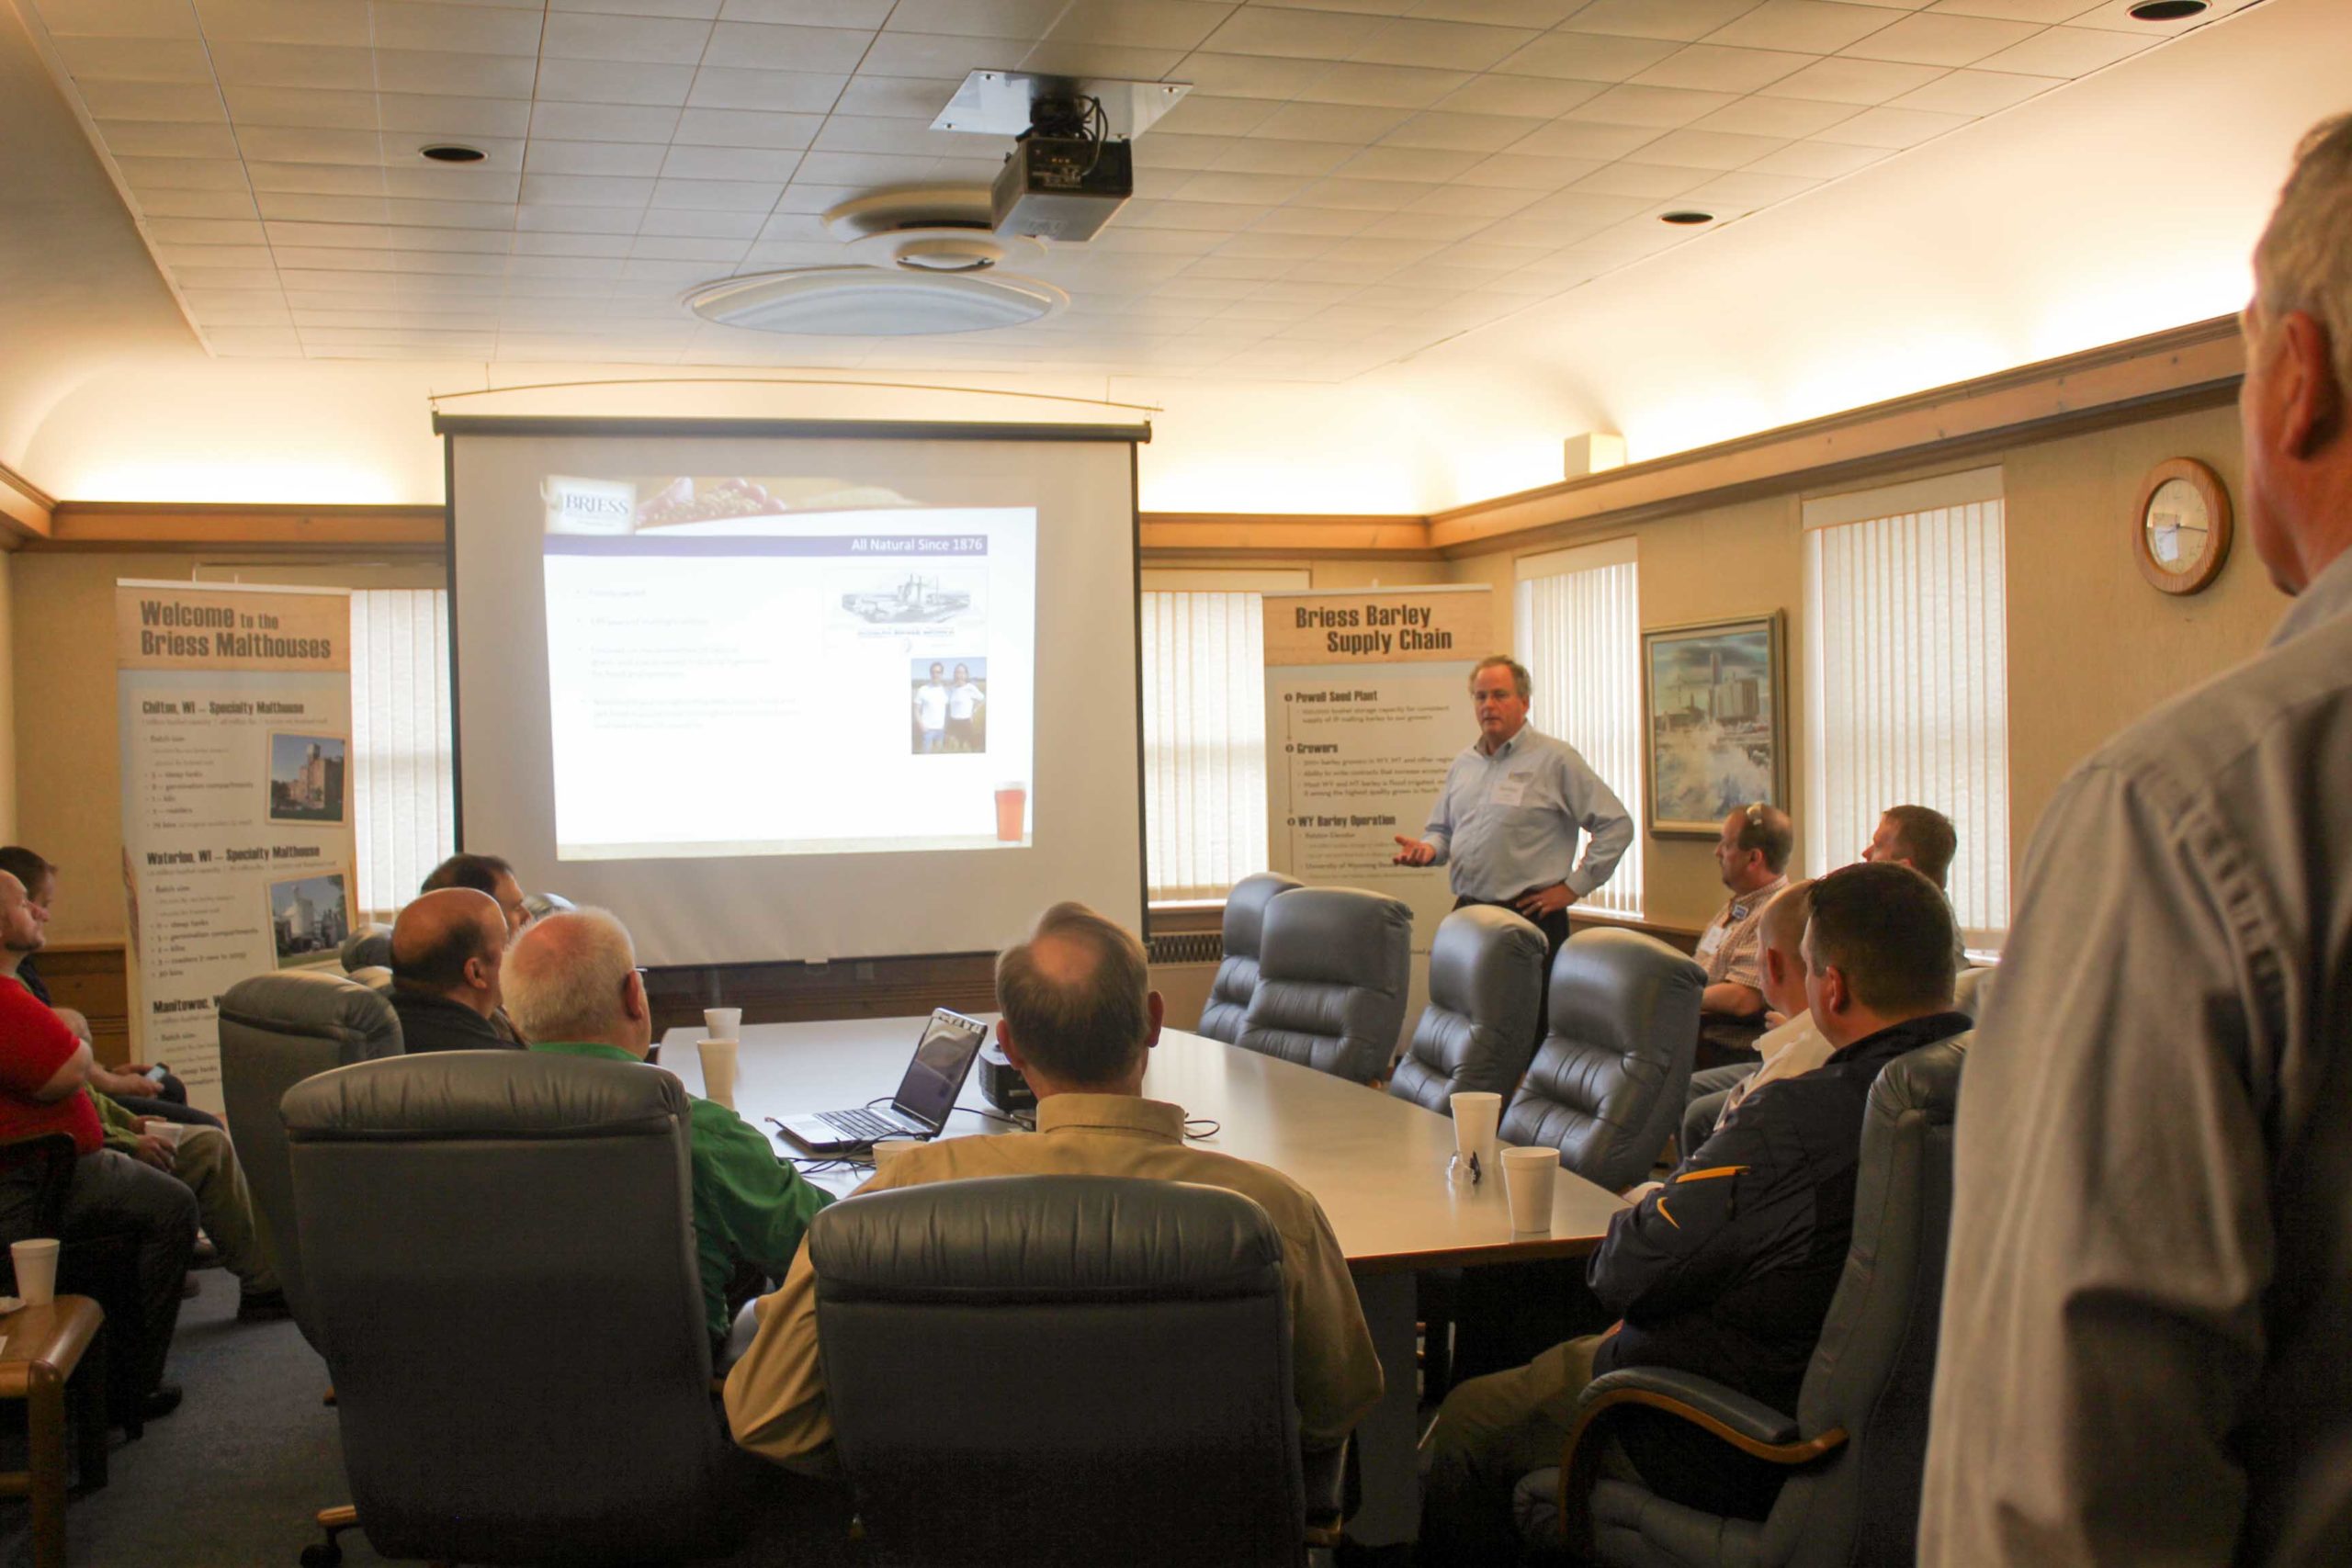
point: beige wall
(2092, 647)
(59, 643)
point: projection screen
(800, 691)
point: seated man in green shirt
(573, 989)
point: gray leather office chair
(1479, 1029)
(1237, 973)
(1607, 1086)
(369, 947)
(275, 1031)
(1333, 965)
(547, 904)
(1973, 987)
(1061, 1369)
(1856, 1448)
(502, 1248)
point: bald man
(448, 948)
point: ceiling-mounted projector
(1072, 166)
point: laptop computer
(926, 1094)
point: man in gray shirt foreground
(2145, 1356)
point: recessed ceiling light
(451, 153)
(2166, 10)
(1686, 216)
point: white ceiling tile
(2117, 15)
(1807, 27)
(585, 190)
(1116, 62)
(1382, 87)
(1278, 247)
(688, 248)
(1683, 20)
(1817, 161)
(176, 102)
(436, 225)
(1514, 171)
(2067, 52)
(1215, 216)
(205, 231)
(464, 75)
(1530, 98)
(119, 18)
(280, 144)
(706, 10)
(869, 133)
(804, 195)
(1537, 14)
(1160, 152)
(602, 122)
(1213, 117)
(1272, 155)
(299, 106)
(562, 218)
(197, 204)
(293, 65)
(652, 41)
(1974, 93)
(765, 257)
(637, 159)
(1474, 201)
(1143, 24)
(1749, 189)
(1890, 127)
(613, 82)
(1710, 149)
(1457, 46)
(1255, 190)
(832, 169)
(1716, 68)
(448, 116)
(499, 181)
(1419, 163)
(1766, 114)
(454, 30)
(818, 51)
(942, 54)
(136, 59)
(344, 22)
(1295, 219)
(769, 92)
(976, 18)
(1939, 40)
(1362, 196)
(181, 258)
(319, 179)
(1587, 57)
(347, 218)
(329, 231)
(1298, 34)
(1247, 76)
(2047, 12)
(1330, 122)
(703, 223)
(809, 13)
(151, 139)
(1652, 182)
(1461, 133)
(898, 97)
(745, 127)
(1847, 81)
(1581, 207)
(732, 164)
(1648, 106)
(253, 342)
(1573, 139)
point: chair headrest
(1245, 908)
(547, 904)
(1330, 935)
(308, 1001)
(1009, 1239)
(369, 947)
(470, 1094)
(1927, 1080)
(1605, 981)
(1480, 947)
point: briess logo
(589, 506)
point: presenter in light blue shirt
(1506, 823)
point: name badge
(1710, 942)
(1510, 790)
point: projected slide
(739, 667)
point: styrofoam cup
(888, 1149)
(719, 1061)
(724, 1023)
(168, 1131)
(1476, 1114)
(36, 1264)
(1528, 1175)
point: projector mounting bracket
(1005, 103)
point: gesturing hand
(1414, 851)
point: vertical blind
(1205, 740)
(1579, 634)
(401, 782)
(1907, 673)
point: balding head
(1079, 1014)
(571, 978)
(451, 943)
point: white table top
(1376, 1164)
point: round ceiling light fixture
(859, 301)
(940, 228)
(1686, 216)
(2167, 10)
(451, 153)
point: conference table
(1376, 1164)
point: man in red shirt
(43, 1069)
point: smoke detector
(922, 260)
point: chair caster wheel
(324, 1555)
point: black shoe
(160, 1401)
(262, 1306)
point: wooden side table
(45, 1346)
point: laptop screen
(942, 1059)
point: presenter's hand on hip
(1544, 901)
(1413, 852)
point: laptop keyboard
(862, 1124)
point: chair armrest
(1748, 1424)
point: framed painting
(1716, 698)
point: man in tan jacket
(1080, 1021)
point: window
(400, 776)
(1908, 678)
(1579, 634)
(1204, 728)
